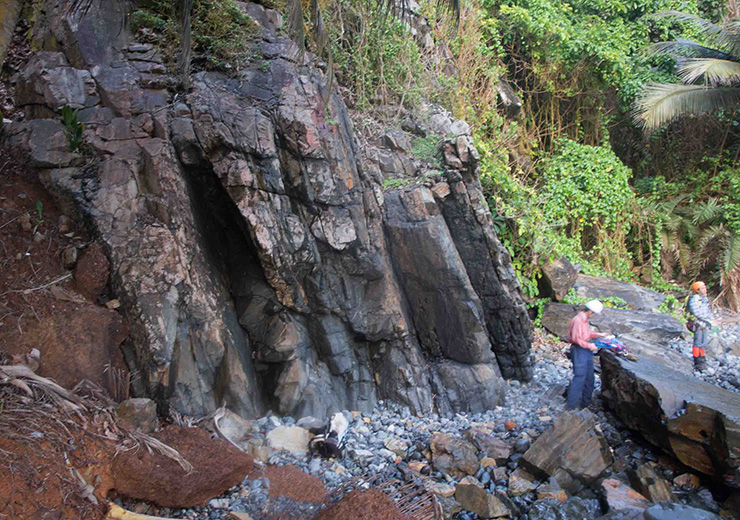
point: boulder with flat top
(697, 422)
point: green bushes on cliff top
(222, 33)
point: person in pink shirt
(582, 351)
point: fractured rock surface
(257, 259)
(571, 451)
(697, 422)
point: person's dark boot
(700, 363)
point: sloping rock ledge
(697, 422)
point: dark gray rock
(138, 414)
(697, 422)
(677, 512)
(40, 143)
(48, 83)
(257, 260)
(558, 276)
(574, 508)
(638, 298)
(571, 451)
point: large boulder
(146, 474)
(697, 422)
(646, 334)
(558, 276)
(572, 451)
(453, 455)
(472, 496)
(637, 298)
(649, 327)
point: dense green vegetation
(572, 174)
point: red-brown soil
(363, 505)
(217, 466)
(291, 482)
(91, 272)
(27, 264)
(38, 306)
(42, 451)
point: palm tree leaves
(661, 103)
(710, 75)
(724, 38)
(683, 47)
(710, 71)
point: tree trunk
(9, 11)
(187, 8)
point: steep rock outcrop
(257, 258)
(697, 422)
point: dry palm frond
(152, 444)
(43, 390)
(730, 284)
(11, 374)
(710, 71)
(663, 103)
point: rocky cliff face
(258, 259)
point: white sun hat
(595, 306)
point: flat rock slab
(697, 422)
(654, 327)
(637, 298)
(677, 512)
(290, 438)
(571, 451)
(621, 497)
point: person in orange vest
(701, 310)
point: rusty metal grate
(410, 498)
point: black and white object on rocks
(329, 441)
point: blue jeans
(582, 385)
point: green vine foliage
(589, 199)
(613, 302)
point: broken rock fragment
(571, 451)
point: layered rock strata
(257, 257)
(697, 422)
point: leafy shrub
(73, 129)
(587, 195)
(222, 33)
(395, 183)
(375, 55)
(612, 302)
